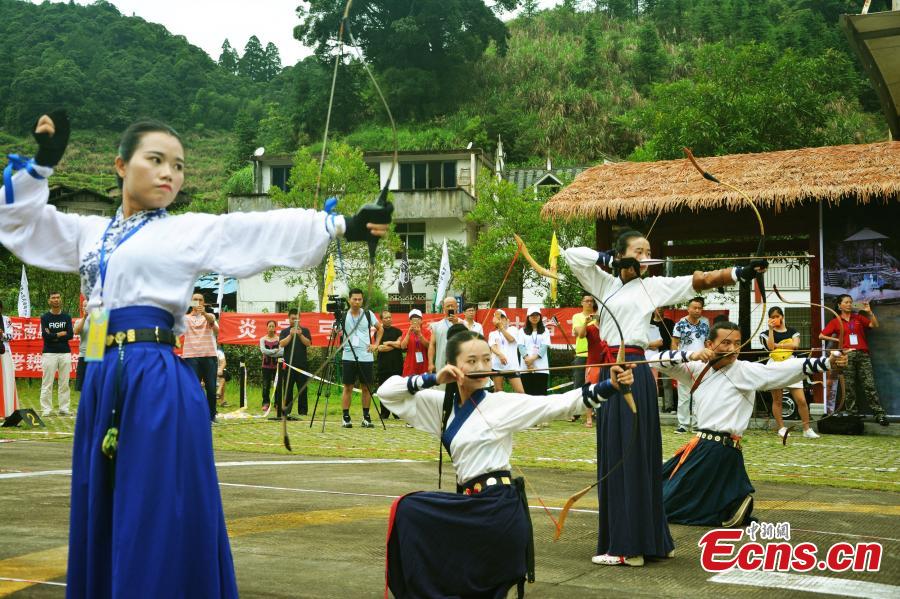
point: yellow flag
(554, 254)
(329, 282)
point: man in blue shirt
(359, 355)
(56, 329)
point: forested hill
(580, 82)
(108, 69)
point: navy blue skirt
(454, 545)
(708, 486)
(631, 519)
(160, 531)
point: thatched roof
(773, 179)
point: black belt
(724, 438)
(479, 483)
(155, 335)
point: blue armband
(16, 163)
(418, 382)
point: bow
(382, 196)
(625, 389)
(760, 252)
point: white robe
(159, 265)
(484, 441)
(631, 303)
(725, 398)
(8, 398)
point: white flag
(443, 278)
(24, 298)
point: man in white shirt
(706, 482)
(504, 343)
(437, 345)
(689, 335)
(470, 320)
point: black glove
(605, 259)
(748, 273)
(627, 263)
(370, 213)
(51, 148)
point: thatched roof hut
(775, 180)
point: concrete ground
(315, 527)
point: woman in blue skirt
(477, 542)
(146, 515)
(632, 522)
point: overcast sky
(207, 23)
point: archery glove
(626, 264)
(356, 229)
(748, 273)
(605, 259)
(52, 147)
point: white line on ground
(230, 465)
(56, 584)
(809, 584)
(845, 534)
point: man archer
(705, 482)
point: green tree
(651, 61)
(253, 64)
(272, 64)
(229, 58)
(423, 50)
(753, 98)
(428, 267)
(245, 130)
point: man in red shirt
(415, 342)
(858, 373)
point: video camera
(336, 304)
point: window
(413, 235)
(280, 177)
(427, 175)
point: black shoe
(346, 423)
(680, 430)
(367, 423)
(882, 420)
(289, 417)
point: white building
(432, 193)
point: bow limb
(760, 251)
(624, 389)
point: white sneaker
(810, 434)
(782, 432)
(618, 560)
(46, 413)
(63, 413)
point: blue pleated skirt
(631, 516)
(454, 545)
(708, 486)
(160, 530)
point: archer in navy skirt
(159, 531)
(455, 545)
(631, 516)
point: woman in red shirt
(415, 342)
(858, 375)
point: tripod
(339, 330)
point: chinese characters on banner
(246, 329)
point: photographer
(359, 354)
(294, 356)
(437, 347)
(199, 349)
(415, 342)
